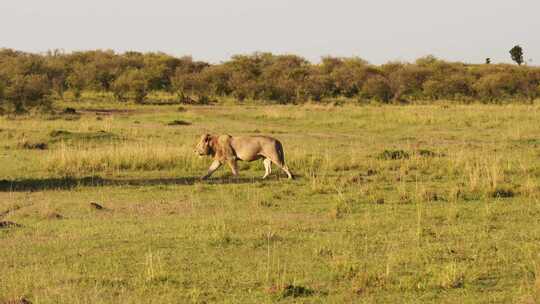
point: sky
(377, 31)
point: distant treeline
(35, 79)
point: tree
(378, 87)
(282, 78)
(82, 77)
(189, 85)
(318, 85)
(488, 60)
(132, 83)
(349, 76)
(2, 89)
(56, 72)
(217, 77)
(517, 54)
(25, 91)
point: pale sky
(377, 31)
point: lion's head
(203, 146)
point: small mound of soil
(70, 111)
(503, 193)
(178, 123)
(58, 133)
(8, 224)
(393, 154)
(63, 135)
(96, 206)
(296, 291)
(16, 301)
(427, 153)
(34, 146)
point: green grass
(411, 204)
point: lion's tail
(280, 154)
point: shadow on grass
(96, 181)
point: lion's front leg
(234, 166)
(213, 167)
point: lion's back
(249, 147)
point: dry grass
(392, 204)
(111, 159)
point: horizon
(213, 32)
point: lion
(230, 149)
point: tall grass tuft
(77, 161)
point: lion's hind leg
(267, 167)
(289, 174)
(282, 166)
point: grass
(393, 204)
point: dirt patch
(54, 216)
(110, 111)
(69, 114)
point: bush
(494, 87)
(452, 87)
(27, 80)
(407, 80)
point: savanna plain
(392, 204)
